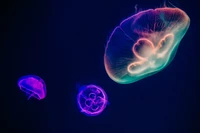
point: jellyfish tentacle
(30, 96)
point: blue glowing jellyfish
(92, 100)
(33, 86)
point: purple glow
(33, 86)
(92, 100)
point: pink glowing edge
(129, 76)
(30, 92)
(85, 110)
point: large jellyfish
(144, 44)
(92, 100)
(33, 86)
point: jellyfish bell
(91, 100)
(144, 43)
(33, 86)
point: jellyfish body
(144, 44)
(33, 86)
(92, 100)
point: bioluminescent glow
(33, 86)
(92, 100)
(144, 44)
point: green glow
(144, 44)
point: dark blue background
(63, 42)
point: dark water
(63, 42)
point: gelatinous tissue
(92, 100)
(144, 44)
(33, 86)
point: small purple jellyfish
(92, 100)
(33, 86)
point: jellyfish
(33, 86)
(144, 44)
(92, 100)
